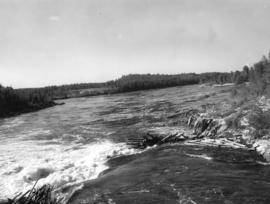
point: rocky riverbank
(33, 108)
(216, 125)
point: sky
(52, 42)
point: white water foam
(203, 156)
(55, 164)
(263, 163)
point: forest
(14, 101)
(258, 75)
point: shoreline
(204, 128)
(34, 109)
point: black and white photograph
(134, 102)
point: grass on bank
(42, 195)
(246, 97)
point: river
(81, 149)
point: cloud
(212, 35)
(98, 41)
(54, 18)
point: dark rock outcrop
(151, 139)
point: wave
(203, 156)
(62, 167)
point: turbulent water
(68, 146)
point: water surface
(68, 146)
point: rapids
(82, 149)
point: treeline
(135, 82)
(258, 75)
(13, 102)
(59, 92)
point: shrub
(260, 121)
(233, 121)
